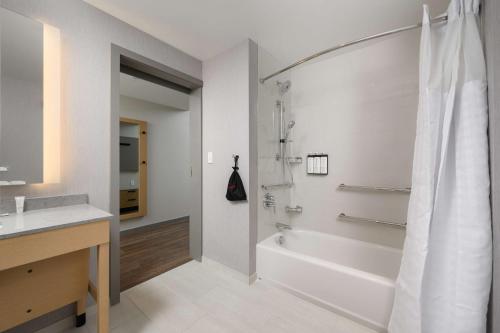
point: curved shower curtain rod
(340, 46)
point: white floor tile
(203, 298)
(125, 311)
(77, 330)
(163, 306)
(217, 323)
(189, 282)
(138, 325)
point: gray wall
(228, 227)
(169, 160)
(253, 176)
(87, 35)
(196, 213)
(491, 20)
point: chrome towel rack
(344, 217)
(374, 188)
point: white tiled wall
(270, 170)
(359, 107)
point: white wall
(169, 160)
(226, 131)
(360, 108)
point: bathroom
(324, 104)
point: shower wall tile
(270, 170)
(359, 107)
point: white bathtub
(350, 277)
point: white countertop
(35, 221)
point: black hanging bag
(235, 188)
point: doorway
(156, 169)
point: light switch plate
(210, 157)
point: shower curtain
(445, 276)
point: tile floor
(205, 298)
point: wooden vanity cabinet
(43, 286)
(44, 271)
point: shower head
(284, 86)
(291, 123)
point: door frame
(140, 66)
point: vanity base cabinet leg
(103, 288)
(81, 317)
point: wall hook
(236, 157)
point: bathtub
(350, 277)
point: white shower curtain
(445, 276)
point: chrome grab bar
(344, 217)
(272, 186)
(374, 188)
(296, 209)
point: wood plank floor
(152, 250)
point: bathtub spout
(282, 226)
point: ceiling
(288, 29)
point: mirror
(133, 168)
(21, 99)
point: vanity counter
(35, 221)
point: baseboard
(247, 279)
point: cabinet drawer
(128, 198)
(32, 290)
